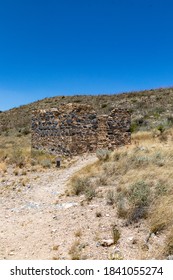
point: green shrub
(139, 194)
(161, 128)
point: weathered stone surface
(73, 129)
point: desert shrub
(104, 105)
(161, 216)
(161, 128)
(139, 124)
(169, 243)
(90, 193)
(82, 185)
(42, 158)
(122, 208)
(102, 179)
(116, 156)
(163, 137)
(17, 158)
(160, 189)
(133, 127)
(46, 163)
(159, 110)
(103, 154)
(137, 213)
(79, 185)
(25, 131)
(170, 120)
(109, 169)
(111, 197)
(158, 159)
(115, 234)
(139, 194)
(138, 161)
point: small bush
(115, 234)
(139, 194)
(161, 216)
(158, 159)
(133, 127)
(161, 128)
(79, 185)
(110, 198)
(109, 168)
(122, 208)
(17, 158)
(104, 105)
(170, 120)
(103, 155)
(46, 163)
(82, 185)
(90, 193)
(161, 189)
(25, 131)
(103, 180)
(138, 161)
(137, 213)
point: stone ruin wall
(74, 129)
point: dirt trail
(39, 222)
(28, 221)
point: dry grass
(75, 250)
(3, 167)
(169, 243)
(141, 180)
(161, 216)
(82, 185)
(16, 151)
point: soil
(39, 221)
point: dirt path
(28, 219)
(39, 222)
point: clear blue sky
(66, 47)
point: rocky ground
(39, 221)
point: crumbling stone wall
(74, 129)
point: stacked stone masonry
(74, 129)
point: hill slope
(149, 108)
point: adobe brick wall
(74, 129)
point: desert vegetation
(126, 193)
(136, 180)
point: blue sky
(67, 47)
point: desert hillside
(106, 205)
(149, 108)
